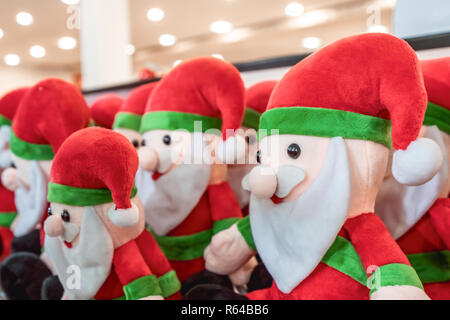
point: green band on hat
(80, 197)
(438, 116)
(432, 267)
(126, 120)
(30, 151)
(4, 121)
(6, 219)
(171, 120)
(251, 119)
(92, 123)
(320, 122)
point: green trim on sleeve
(320, 122)
(82, 197)
(438, 116)
(127, 120)
(4, 121)
(142, 287)
(394, 274)
(223, 224)
(432, 267)
(245, 229)
(6, 219)
(171, 120)
(251, 119)
(184, 248)
(30, 151)
(169, 283)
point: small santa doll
(95, 234)
(8, 106)
(324, 146)
(104, 109)
(189, 126)
(418, 217)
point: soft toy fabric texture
(104, 109)
(257, 97)
(9, 104)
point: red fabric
(206, 86)
(6, 237)
(257, 96)
(373, 74)
(431, 233)
(223, 202)
(50, 112)
(137, 99)
(436, 75)
(129, 264)
(7, 203)
(10, 101)
(106, 160)
(146, 74)
(104, 109)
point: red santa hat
(436, 75)
(105, 108)
(49, 112)
(257, 98)
(96, 166)
(8, 105)
(130, 114)
(360, 87)
(206, 90)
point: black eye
(135, 143)
(250, 139)
(13, 165)
(294, 151)
(258, 156)
(166, 139)
(143, 143)
(65, 215)
(49, 210)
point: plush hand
(399, 293)
(218, 173)
(152, 298)
(242, 276)
(227, 252)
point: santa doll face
(5, 153)
(133, 136)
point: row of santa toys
(342, 194)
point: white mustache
(165, 161)
(71, 230)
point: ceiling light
(37, 52)
(155, 14)
(70, 2)
(311, 43)
(12, 59)
(294, 9)
(378, 28)
(177, 62)
(1, 33)
(221, 26)
(24, 18)
(67, 43)
(218, 56)
(130, 49)
(167, 39)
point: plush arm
(440, 218)
(134, 274)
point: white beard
(144, 184)
(235, 176)
(5, 153)
(176, 195)
(93, 256)
(32, 203)
(401, 206)
(292, 237)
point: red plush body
(7, 206)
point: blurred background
(114, 45)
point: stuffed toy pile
(329, 184)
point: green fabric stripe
(432, 267)
(320, 122)
(437, 115)
(169, 283)
(170, 120)
(142, 287)
(30, 151)
(184, 248)
(4, 121)
(92, 123)
(81, 197)
(126, 120)
(224, 224)
(6, 219)
(251, 119)
(244, 228)
(343, 257)
(394, 274)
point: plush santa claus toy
(49, 112)
(95, 235)
(104, 110)
(188, 128)
(325, 140)
(418, 217)
(8, 106)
